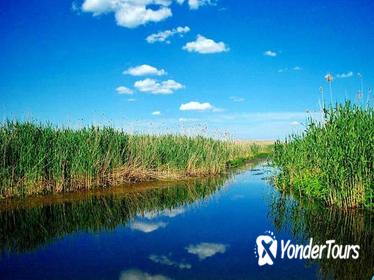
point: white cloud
(133, 16)
(204, 45)
(163, 36)
(162, 259)
(270, 53)
(237, 99)
(133, 13)
(345, 75)
(147, 227)
(144, 70)
(295, 68)
(196, 106)
(130, 13)
(124, 90)
(131, 100)
(205, 250)
(295, 123)
(195, 4)
(155, 87)
(97, 7)
(135, 274)
(156, 113)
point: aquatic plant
(333, 159)
(38, 158)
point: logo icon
(266, 250)
(267, 246)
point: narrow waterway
(200, 229)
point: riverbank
(332, 160)
(39, 158)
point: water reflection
(166, 260)
(187, 230)
(205, 250)
(305, 220)
(136, 274)
(26, 225)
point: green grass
(38, 158)
(333, 160)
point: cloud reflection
(147, 227)
(171, 213)
(136, 274)
(162, 259)
(205, 250)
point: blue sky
(252, 68)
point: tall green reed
(38, 158)
(332, 160)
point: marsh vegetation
(333, 159)
(38, 158)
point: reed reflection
(306, 219)
(29, 224)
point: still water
(199, 229)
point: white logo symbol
(266, 248)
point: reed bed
(40, 158)
(333, 159)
